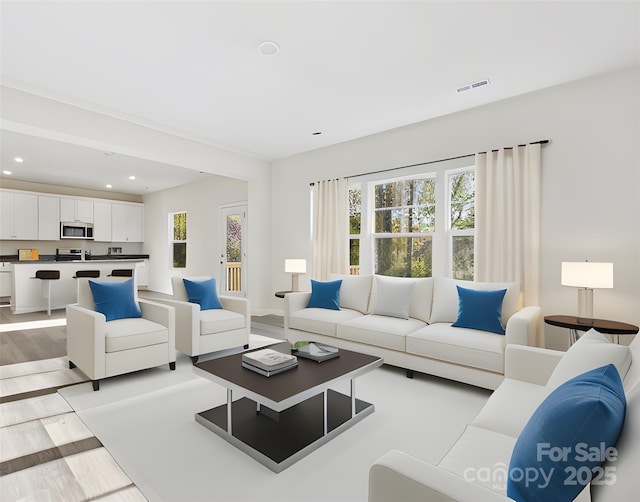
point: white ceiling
(346, 69)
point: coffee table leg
(353, 398)
(229, 418)
(325, 412)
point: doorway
(233, 262)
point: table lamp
(586, 276)
(295, 267)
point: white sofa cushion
(354, 291)
(219, 320)
(321, 321)
(591, 351)
(382, 331)
(469, 347)
(391, 296)
(445, 298)
(133, 333)
(421, 295)
(510, 406)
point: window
(461, 224)
(178, 232)
(416, 226)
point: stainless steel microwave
(76, 231)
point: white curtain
(330, 228)
(508, 218)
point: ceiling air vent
(473, 85)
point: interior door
(233, 222)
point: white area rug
(146, 421)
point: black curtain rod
(541, 142)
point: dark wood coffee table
(284, 417)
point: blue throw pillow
(115, 299)
(204, 293)
(480, 309)
(573, 431)
(325, 295)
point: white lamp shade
(586, 274)
(295, 266)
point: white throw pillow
(392, 296)
(421, 298)
(354, 292)
(445, 298)
(591, 351)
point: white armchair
(203, 331)
(102, 348)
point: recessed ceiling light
(6, 172)
(132, 177)
(109, 153)
(19, 159)
(268, 48)
(108, 185)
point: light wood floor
(46, 452)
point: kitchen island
(30, 294)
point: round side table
(601, 325)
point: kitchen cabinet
(18, 215)
(127, 222)
(48, 218)
(102, 221)
(72, 210)
(5, 279)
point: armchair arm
(86, 344)
(240, 306)
(530, 364)
(400, 477)
(187, 324)
(523, 326)
(162, 314)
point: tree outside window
(462, 222)
(355, 229)
(178, 222)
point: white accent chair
(102, 348)
(204, 331)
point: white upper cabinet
(127, 222)
(72, 210)
(48, 218)
(18, 215)
(102, 221)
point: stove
(68, 254)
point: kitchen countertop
(52, 258)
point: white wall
(202, 201)
(591, 181)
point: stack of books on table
(268, 362)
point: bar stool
(87, 273)
(48, 276)
(121, 272)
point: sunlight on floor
(20, 326)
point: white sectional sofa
(476, 467)
(408, 322)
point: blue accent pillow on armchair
(204, 293)
(571, 433)
(115, 299)
(325, 295)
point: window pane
(404, 256)
(234, 239)
(180, 227)
(354, 256)
(463, 215)
(179, 254)
(355, 211)
(462, 186)
(463, 257)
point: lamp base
(294, 282)
(585, 306)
